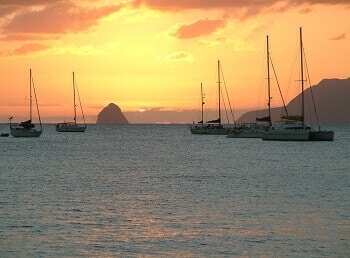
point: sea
(157, 190)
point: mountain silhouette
(111, 114)
(331, 100)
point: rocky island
(111, 114)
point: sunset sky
(153, 54)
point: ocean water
(157, 190)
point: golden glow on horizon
(143, 58)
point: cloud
(339, 37)
(236, 45)
(199, 28)
(84, 49)
(24, 2)
(305, 10)
(28, 37)
(56, 17)
(29, 48)
(8, 7)
(313, 2)
(6, 10)
(179, 56)
(179, 5)
(245, 8)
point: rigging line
(278, 84)
(261, 86)
(227, 115)
(308, 95)
(36, 101)
(210, 100)
(312, 94)
(223, 78)
(296, 57)
(81, 107)
(223, 101)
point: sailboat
(213, 127)
(292, 128)
(255, 130)
(27, 128)
(73, 126)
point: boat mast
(219, 82)
(202, 101)
(75, 111)
(36, 102)
(302, 75)
(268, 78)
(30, 95)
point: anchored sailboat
(213, 127)
(27, 128)
(293, 128)
(73, 126)
(256, 130)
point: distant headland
(331, 99)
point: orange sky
(153, 54)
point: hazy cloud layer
(6, 10)
(178, 5)
(61, 17)
(68, 16)
(29, 48)
(38, 20)
(243, 9)
(41, 20)
(198, 28)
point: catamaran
(213, 127)
(293, 128)
(27, 128)
(73, 126)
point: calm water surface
(156, 190)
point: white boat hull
(288, 132)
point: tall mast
(202, 101)
(75, 111)
(302, 75)
(219, 82)
(30, 95)
(268, 78)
